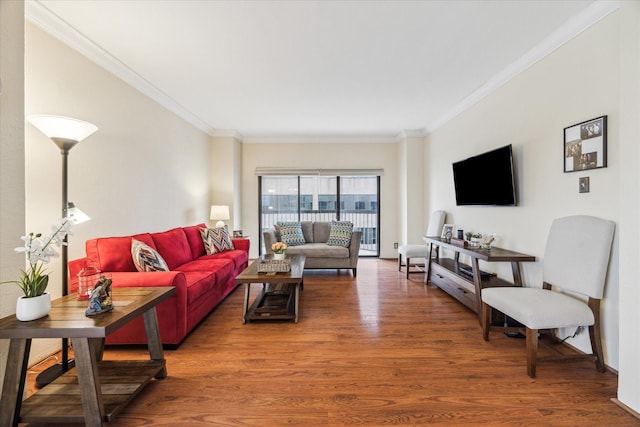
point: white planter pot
(279, 256)
(33, 308)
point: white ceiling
(303, 69)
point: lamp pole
(65, 132)
(48, 375)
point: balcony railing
(365, 221)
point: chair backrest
(436, 222)
(577, 254)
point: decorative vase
(279, 256)
(33, 308)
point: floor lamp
(65, 133)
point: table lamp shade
(221, 213)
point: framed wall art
(585, 145)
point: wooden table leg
(247, 287)
(427, 273)
(154, 342)
(478, 287)
(296, 289)
(517, 277)
(14, 381)
(89, 381)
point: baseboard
(626, 408)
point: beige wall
(226, 169)
(144, 170)
(11, 158)
(328, 156)
(629, 378)
(577, 82)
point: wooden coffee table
(280, 294)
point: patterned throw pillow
(291, 233)
(146, 258)
(340, 233)
(216, 239)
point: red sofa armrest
(242, 244)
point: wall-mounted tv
(486, 179)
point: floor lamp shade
(221, 213)
(58, 127)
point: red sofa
(202, 281)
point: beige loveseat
(318, 253)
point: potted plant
(279, 249)
(39, 250)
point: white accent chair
(408, 252)
(575, 260)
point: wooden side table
(77, 395)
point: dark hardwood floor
(372, 351)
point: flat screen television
(486, 179)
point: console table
(95, 390)
(465, 282)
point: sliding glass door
(323, 198)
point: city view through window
(323, 198)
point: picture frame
(585, 145)
(448, 231)
(237, 233)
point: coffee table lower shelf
(60, 401)
(275, 301)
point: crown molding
(319, 139)
(572, 28)
(46, 20)
(228, 133)
(411, 133)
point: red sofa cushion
(195, 240)
(238, 257)
(114, 253)
(173, 246)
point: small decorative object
(237, 234)
(447, 231)
(474, 239)
(274, 265)
(100, 299)
(87, 278)
(585, 145)
(279, 249)
(33, 281)
(486, 243)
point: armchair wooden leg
(408, 266)
(532, 351)
(399, 262)
(486, 320)
(594, 335)
(596, 346)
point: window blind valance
(320, 172)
